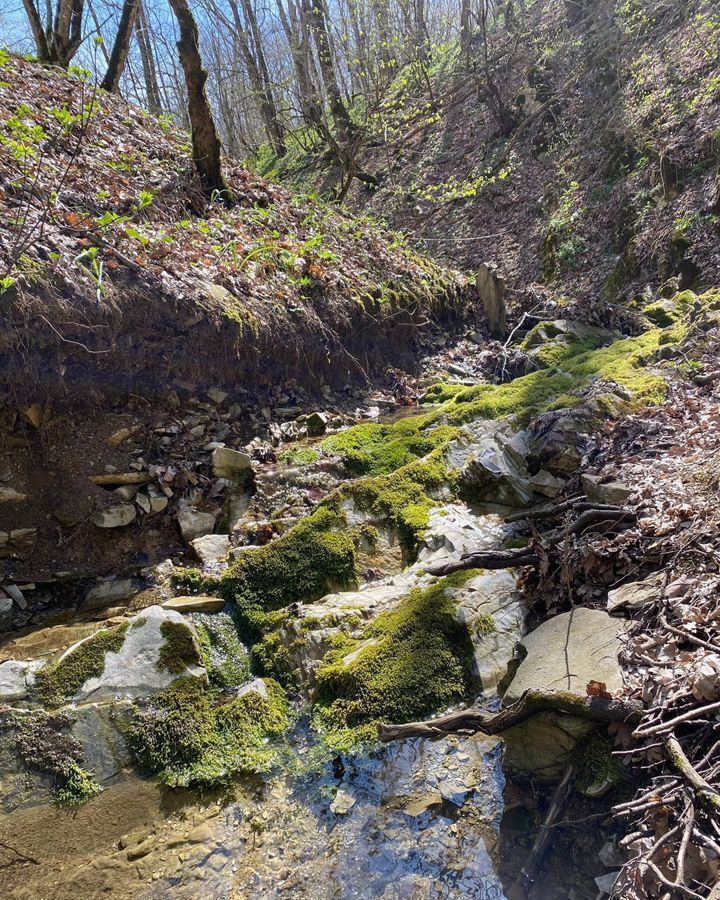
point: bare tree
(58, 38)
(121, 47)
(147, 57)
(205, 140)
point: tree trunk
(301, 57)
(205, 141)
(58, 40)
(317, 16)
(147, 57)
(121, 47)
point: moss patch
(43, 743)
(188, 742)
(410, 662)
(179, 649)
(595, 763)
(372, 449)
(60, 681)
(225, 658)
(314, 557)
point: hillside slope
(116, 274)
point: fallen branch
(707, 795)
(598, 709)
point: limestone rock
(546, 484)
(558, 439)
(10, 495)
(491, 463)
(13, 681)
(230, 464)
(211, 547)
(567, 329)
(115, 517)
(133, 671)
(110, 592)
(17, 542)
(568, 651)
(491, 289)
(605, 492)
(256, 686)
(200, 603)
(194, 524)
(489, 606)
(636, 594)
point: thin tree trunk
(147, 57)
(317, 17)
(205, 141)
(121, 47)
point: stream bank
(322, 557)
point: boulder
(636, 594)
(15, 679)
(316, 423)
(115, 517)
(256, 686)
(558, 439)
(230, 464)
(194, 524)
(138, 668)
(491, 290)
(569, 651)
(110, 592)
(200, 603)
(605, 492)
(565, 329)
(490, 459)
(211, 547)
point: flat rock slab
(568, 651)
(117, 517)
(194, 524)
(636, 594)
(201, 603)
(110, 592)
(230, 464)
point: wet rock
(211, 547)
(137, 668)
(568, 651)
(491, 289)
(636, 594)
(316, 423)
(116, 517)
(422, 804)
(343, 803)
(230, 464)
(200, 603)
(194, 524)
(605, 492)
(109, 592)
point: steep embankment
(605, 179)
(118, 276)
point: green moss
(315, 556)
(595, 764)
(58, 682)
(373, 449)
(187, 742)
(43, 743)
(404, 497)
(484, 624)
(409, 662)
(662, 313)
(441, 392)
(300, 456)
(179, 650)
(192, 582)
(225, 658)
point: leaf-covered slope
(112, 260)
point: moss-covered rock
(409, 662)
(61, 680)
(314, 557)
(186, 740)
